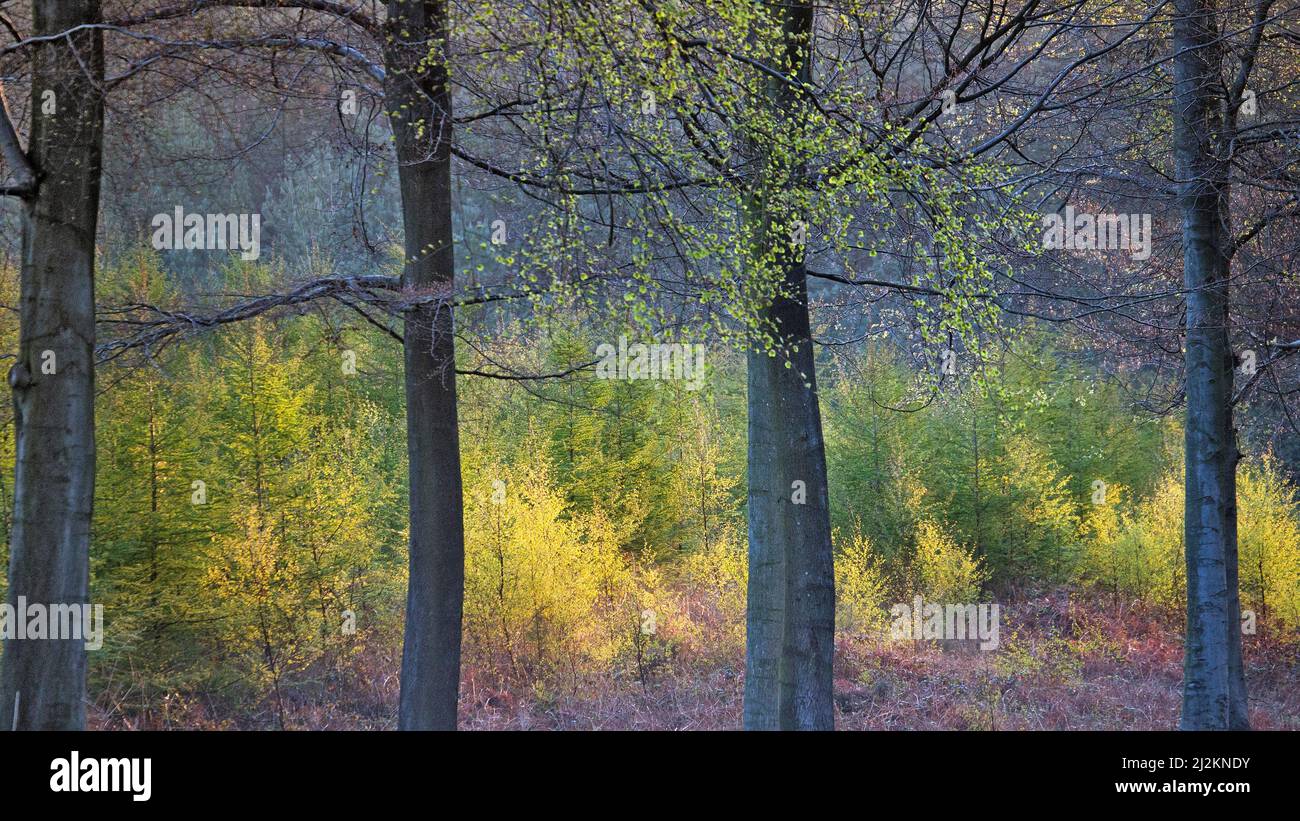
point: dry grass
(1065, 662)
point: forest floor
(1064, 662)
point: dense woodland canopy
(955, 303)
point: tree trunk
(43, 682)
(419, 106)
(1214, 687)
(790, 618)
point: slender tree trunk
(419, 106)
(43, 682)
(1214, 688)
(790, 619)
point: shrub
(545, 592)
(1140, 553)
(861, 590)
(1268, 537)
(713, 583)
(945, 570)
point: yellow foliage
(1140, 554)
(1268, 538)
(715, 579)
(861, 592)
(945, 570)
(544, 591)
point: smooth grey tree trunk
(790, 615)
(419, 106)
(43, 682)
(790, 619)
(1214, 687)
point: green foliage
(618, 541)
(245, 510)
(1006, 463)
